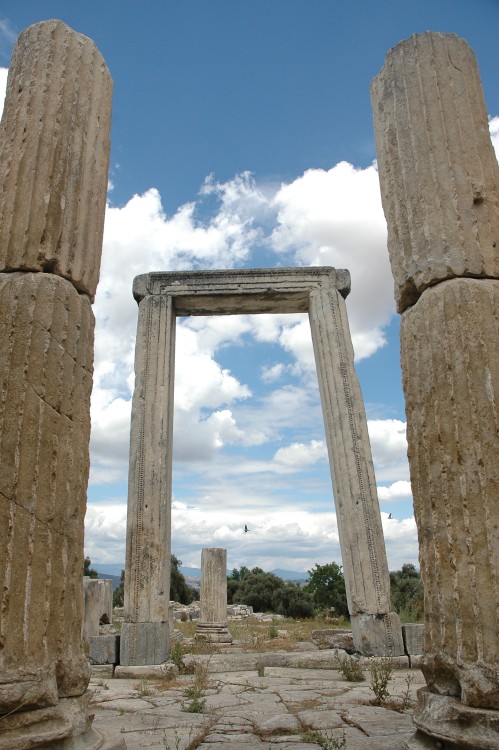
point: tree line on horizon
(323, 593)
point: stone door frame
(320, 292)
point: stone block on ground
(334, 639)
(413, 635)
(377, 635)
(104, 649)
(143, 643)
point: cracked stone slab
(320, 719)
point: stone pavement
(271, 701)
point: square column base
(377, 635)
(212, 632)
(143, 643)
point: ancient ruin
(212, 623)
(440, 189)
(54, 155)
(320, 291)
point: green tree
(407, 595)
(87, 570)
(326, 584)
(266, 592)
(257, 590)
(234, 580)
(180, 591)
(119, 592)
(292, 601)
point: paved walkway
(271, 701)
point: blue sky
(242, 136)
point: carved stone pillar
(440, 188)
(376, 630)
(144, 634)
(54, 153)
(212, 624)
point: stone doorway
(162, 297)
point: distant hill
(290, 575)
(108, 569)
(113, 570)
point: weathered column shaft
(54, 155)
(144, 635)
(212, 624)
(452, 333)
(438, 173)
(357, 509)
(440, 188)
(46, 349)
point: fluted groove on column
(46, 378)
(438, 171)
(452, 332)
(54, 155)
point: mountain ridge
(114, 569)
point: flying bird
(245, 529)
(390, 515)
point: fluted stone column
(376, 630)
(54, 152)
(144, 633)
(212, 623)
(440, 189)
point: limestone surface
(452, 433)
(439, 182)
(54, 155)
(46, 350)
(287, 708)
(438, 171)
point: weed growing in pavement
(404, 702)
(350, 668)
(381, 673)
(195, 692)
(143, 688)
(325, 740)
(167, 745)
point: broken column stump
(212, 623)
(440, 190)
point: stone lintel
(248, 290)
